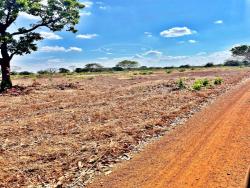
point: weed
(205, 82)
(181, 84)
(197, 86)
(182, 70)
(169, 71)
(218, 81)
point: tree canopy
(54, 15)
(241, 51)
(127, 64)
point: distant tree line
(242, 51)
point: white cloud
(75, 49)
(50, 35)
(218, 22)
(192, 41)
(24, 15)
(152, 53)
(85, 13)
(148, 34)
(177, 32)
(88, 4)
(103, 7)
(87, 36)
(59, 49)
(53, 61)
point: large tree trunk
(5, 68)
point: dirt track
(211, 150)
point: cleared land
(211, 150)
(64, 130)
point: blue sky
(153, 32)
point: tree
(241, 51)
(54, 15)
(63, 70)
(209, 64)
(93, 67)
(233, 63)
(127, 64)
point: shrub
(182, 70)
(218, 81)
(185, 66)
(233, 63)
(146, 72)
(181, 84)
(209, 65)
(63, 70)
(205, 82)
(197, 86)
(25, 73)
(168, 71)
(117, 69)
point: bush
(63, 70)
(146, 72)
(13, 73)
(80, 70)
(205, 82)
(117, 69)
(233, 63)
(209, 65)
(168, 71)
(197, 86)
(218, 81)
(25, 73)
(182, 70)
(181, 84)
(185, 66)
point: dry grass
(65, 129)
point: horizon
(154, 33)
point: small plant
(168, 71)
(146, 72)
(205, 82)
(218, 81)
(182, 70)
(181, 84)
(197, 86)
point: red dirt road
(211, 150)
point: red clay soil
(211, 150)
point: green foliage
(127, 64)
(233, 63)
(169, 71)
(47, 71)
(210, 64)
(218, 81)
(197, 86)
(182, 70)
(243, 51)
(205, 82)
(54, 15)
(63, 70)
(93, 67)
(25, 73)
(181, 84)
(185, 66)
(146, 72)
(117, 69)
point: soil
(211, 150)
(67, 130)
